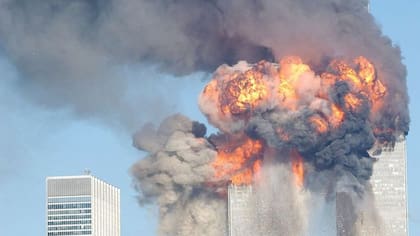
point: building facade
(389, 187)
(240, 210)
(388, 216)
(82, 205)
(259, 211)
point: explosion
(323, 102)
(316, 123)
(296, 120)
(238, 162)
(301, 91)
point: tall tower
(240, 210)
(265, 210)
(82, 205)
(388, 184)
(389, 187)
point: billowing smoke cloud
(69, 53)
(331, 112)
(330, 119)
(67, 50)
(174, 176)
(285, 118)
(178, 176)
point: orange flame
(297, 168)
(244, 177)
(240, 91)
(237, 92)
(239, 162)
(320, 124)
(336, 117)
(352, 102)
(363, 79)
(243, 92)
(291, 68)
(347, 73)
(366, 70)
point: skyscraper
(387, 214)
(265, 210)
(82, 205)
(389, 187)
(389, 218)
(240, 210)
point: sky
(36, 141)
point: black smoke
(66, 51)
(337, 158)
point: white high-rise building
(388, 216)
(82, 205)
(389, 187)
(240, 210)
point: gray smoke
(69, 54)
(337, 159)
(280, 207)
(177, 176)
(67, 51)
(345, 148)
(174, 176)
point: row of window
(69, 217)
(69, 222)
(85, 232)
(68, 199)
(65, 212)
(70, 205)
(73, 227)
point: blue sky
(36, 142)
(399, 20)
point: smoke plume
(318, 114)
(67, 51)
(347, 96)
(174, 175)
